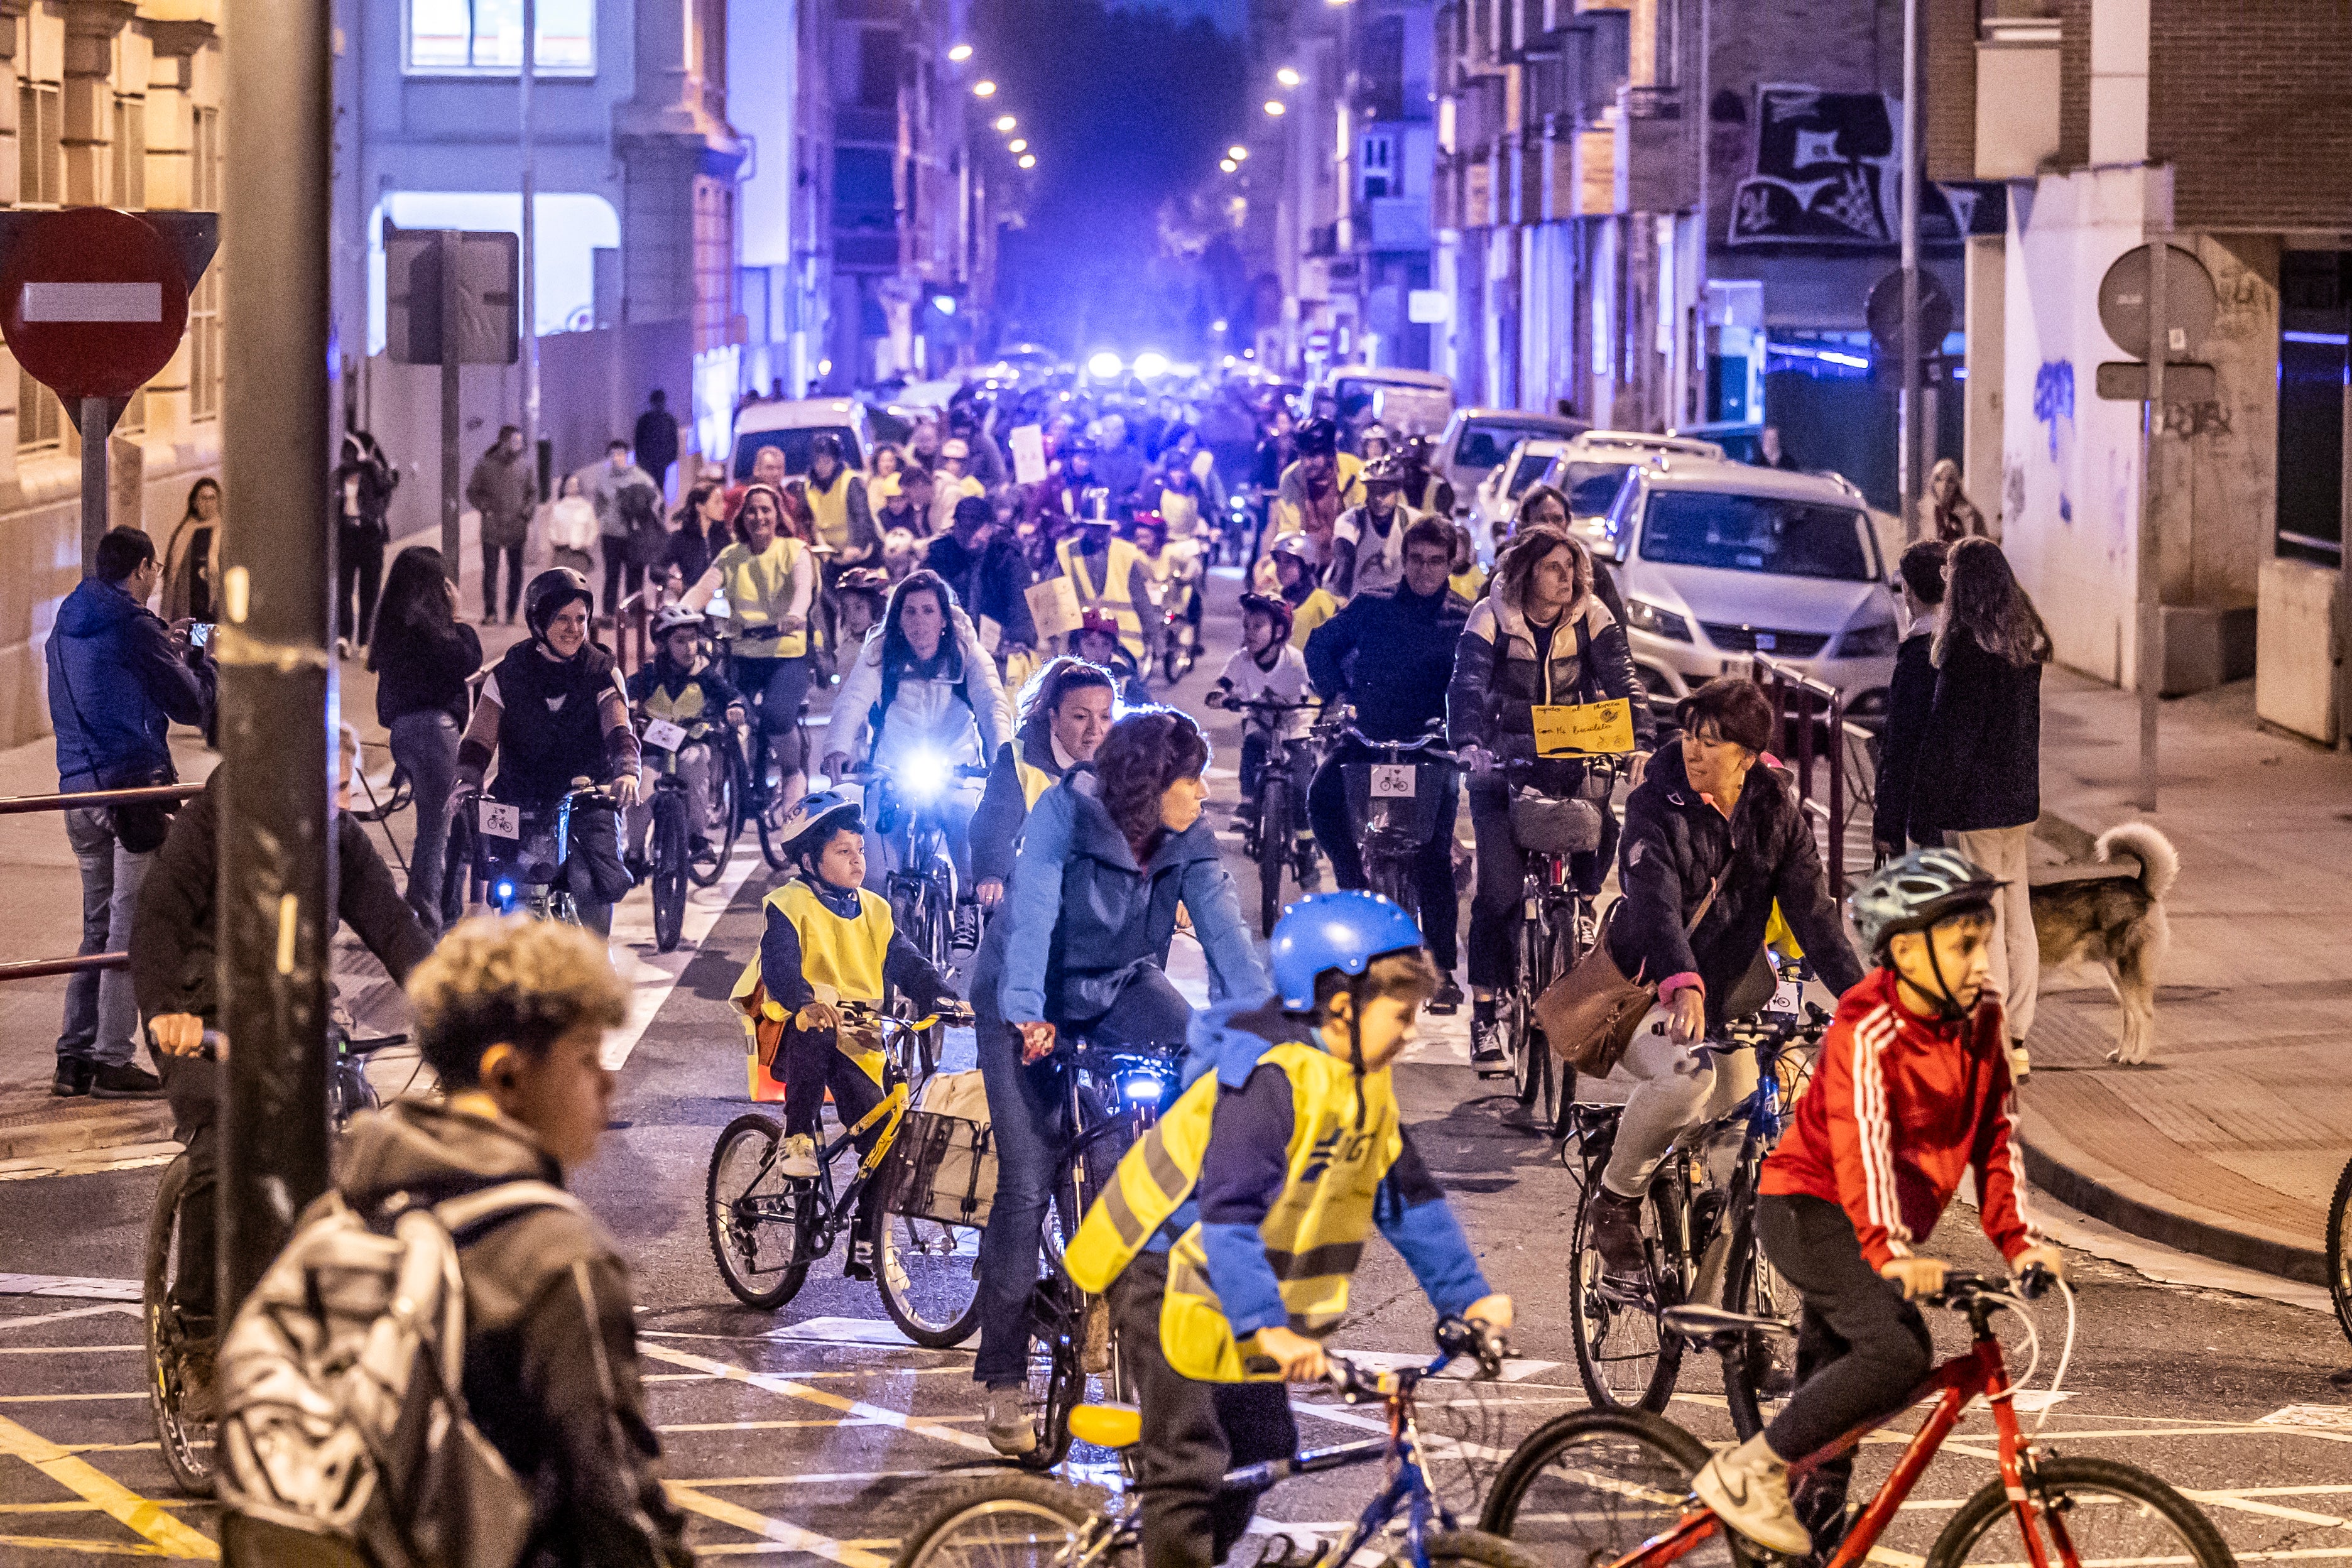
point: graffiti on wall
(2053, 410)
(1826, 172)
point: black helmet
(549, 593)
(1318, 439)
(826, 445)
(1388, 470)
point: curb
(135, 1121)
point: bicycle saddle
(1717, 1327)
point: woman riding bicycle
(1110, 854)
(1542, 637)
(682, 688)
(928, 698)
(1710, 835)
(1065, 713)
(552, 711)
(769, 578)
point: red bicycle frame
(1982, 1371)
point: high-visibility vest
(1112, 594)
(758, 588)
(829, 506)
(1034, 780)
(1311, 612)
(686, 708)
(843, 957)
(1314, 1234)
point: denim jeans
(1335, 835)
(424, 745)
(100, 1014)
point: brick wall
(2073, 83)
(1949, 37)
(2248, 100)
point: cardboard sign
(1028, 443)
(1053, 606)
(663, 735)
(1392, 780)
(1565, 729)
(501, 821)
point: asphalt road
(815, 1431)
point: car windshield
(1593, 486)
(1488, 442)
(1531, 465)
(795, 443)
(1756, 533)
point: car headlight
(1873, 641)
(1657, 620)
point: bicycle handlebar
(1962, 1291)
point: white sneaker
(799, 1164)
(1010, 1430)
(1747, 1488)
(2021, 1065)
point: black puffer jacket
(1676, 845)
(1499, 680)
(1981, 754)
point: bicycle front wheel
(186, 1442)
(726, 819)
(1590, 1486)
(1004, 1521)
(1623, 1355)
(1273, 849)
(1761, 1369)
(760, 1224)
(669, 854)
(929, 1280)
(2089, 1511)
(2339, 1250)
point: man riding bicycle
(1390, 653)
(554, 710)
(1367, 541)
(683, 689)
(1542, 637)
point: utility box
(2299, 649)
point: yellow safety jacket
(686, 710)
(1034, 780)
(844, 957)
(830, 506)
(1314, 1234)
(1312, 611)
(1119, 568)
(758, 589)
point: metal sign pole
(530, 281)
(2150, 592)
(451, 241)
(97, 423)
(1908, 446)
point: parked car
(1355, 388)
(1720, 561)
(793, 424)
(1477, 440)
(1498, 495)
(1590, 468)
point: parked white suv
(1718, 562)
(1590, 469)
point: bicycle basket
(1550, 827)
(942, 1167)
(1410, 819)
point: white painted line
(128, 1311)
(65, 1398)
(93, 302)
(792, 1390)
(787, 1537)
(2327, 1417)
(71, 1285)
(64, 1349)
(873, 1332)
(91, 1162)
(651, 975)
(840, 1477)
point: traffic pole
(1909, 449)
(451, 303)
(277, 697)
(2148, 665)
(96, 421)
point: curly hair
(1530, 547)
(509, 980)
(1983, 599)
(1144, 753)
(1057, 679)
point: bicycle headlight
(503, 892)
(1141, 1087)
(924, 775)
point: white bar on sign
(93, 301)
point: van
(793, 426)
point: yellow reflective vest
(829, 506)
(759, 590)
(1317, 607)
(841, 960)
(1034, 780)
(1314, 1234)
(1111, 594)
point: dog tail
(2159, 863)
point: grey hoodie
(551, 1339)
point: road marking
(113, 1499)
(95, 1547)
(788, 1537)
(878, 1334)
(2323, 1417)
(64, 1399)
(86, 1506)
(784, 1425)
(656, 975)
(63, 1350)
(126, 1310)
(69, 1286)
(838, 1476)
(792, 1390)
(2269, 1509)
(89, 1161)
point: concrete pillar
(92, 28)
(2118, 81)
(1986, 263)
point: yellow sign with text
(1565, 729)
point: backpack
(343, 1437)
(640, 507)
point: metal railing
(1798, 698)
(18, 805)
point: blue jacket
(1081, 913)
(116, 682)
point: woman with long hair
(1065, 710)
(1109, 856)
(1979, 777)
(422, 656)
(191, 560)
(770, 580)
(699, 535)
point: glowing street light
(1018, 144)
(960, 53)
(1289, 76)
(1104, 365)
(1005, 123)
(1237, 151)
(1273, 106)
(1227, 164)
(983, 90)
(1028, 160)
(1150, 364)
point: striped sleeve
(1861, 1144)
(2001, 1165)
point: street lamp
(1273, 106)
(983, 90)
(1104, 365)
(1289, 76)
(1237, 151)
(1018, 144)
(1005, 123)
(960, 53)
(1028, 160)
(1228, 165)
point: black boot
(1616, 1235)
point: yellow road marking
(775, 1534)
(84, 1506)
(98, 1548)
(791, 1389)
(64, 1399)
(117, 1502)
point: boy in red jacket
(1911, 1089)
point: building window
(131, 152)
(205, 175)
(484, 37)
(205, 346)
(40, 161)
(40, 418)
(1380, 168)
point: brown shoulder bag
(1589, 1014)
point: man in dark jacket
(118, 679)
(655, 439)
(986, 570)
(1910, 698)
(364, 484)
(175, 971)
(1390, 652)
(1713, 839)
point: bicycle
(2339, 1250)
(1014, 1519)
(927, 1271)
(1554, 927)
(671, 859)
(1700, 1237)
(1393, 791)
(527, 878)
(178, 1356)
(1272, 836)
(1612, 1487)
(904, 814)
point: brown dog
(2118, 923)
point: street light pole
(529, 301)
(278, 696)
(1907, 438)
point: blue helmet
(1344, 931)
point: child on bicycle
(1911, 1090)
(683, 689)
(828, 941)
(1264, 668)
(1231, 1228)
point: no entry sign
(93, 300)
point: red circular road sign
(92, 301)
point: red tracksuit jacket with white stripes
(1898, 1108)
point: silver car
(1719, 562)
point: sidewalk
(2230, 1141)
